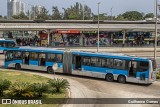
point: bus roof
(111, 55)
(7, 40)
(36, 49)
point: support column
(124, 36)
(48, 31)
(111, 39)
(81, 39)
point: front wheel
(17, 66)
(121, 79)
(50, 70)
(109, 77)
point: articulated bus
(108, 66)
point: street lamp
(155, 47)
(83, 10)
(98, 29)
(111, 13)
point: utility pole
(98, 30)
(155, 47)
(83, 10)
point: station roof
(82, 25)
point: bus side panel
(105, 70)
(12, 63)
(51, 64)
(142, 75)
(33, 62)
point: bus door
(67, 62)
(25, 58)
(42, 59)
(132, 68)
(78, 62)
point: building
(14, 7)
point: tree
(20, 16)
(76, 12)
(56, 14)
(132, 15)
(43, 15)
(102, 16)
(120, 17)
(149, 15)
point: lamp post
(155, 46)
(83, 10)
(111, 13)
(98, 29)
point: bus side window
(9, 56)
(119, 64)
(106, 62)
(33, 56)
(51, 57)
(59, 58)
(17, 55)
(93, 61)
(1, 44)
(143, 66)
(86, 61)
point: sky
(118, 6)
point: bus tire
(121, 79)
(17, 66)
(109, 77)
(50, 70)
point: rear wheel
(50, 70)
(18, 66)
(121, 79)
(109, 77)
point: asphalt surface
(83, 87)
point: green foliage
(77, 11)
(4, 85)
(43, 15)
(132, 15)
(59, 84)
(56, 14)
(20, 16)
(149, 15)
(158, 75)
(39, 88)
(21, 90)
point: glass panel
(17, 55)
(107, 63)
(86, 61)
(1, 44)
(119, 64)
(33, 56)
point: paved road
(81, 87)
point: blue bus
(33, 58)
(5, 44)
(108, 66)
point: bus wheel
(121, 79)
(50, 70)
(18, 66)
(109, 77)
